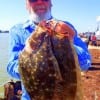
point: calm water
(4, 41)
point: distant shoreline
(4, 32)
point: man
(38, 10)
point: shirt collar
(29, 23)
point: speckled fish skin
(52, 71)
(39, 71)
(70, 88)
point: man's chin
(41, 12)
(37, 18)
(40, 15)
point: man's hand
(58, 28)
(64, 30)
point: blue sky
(81, 13)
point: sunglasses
(37, 0)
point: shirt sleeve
(15, 47)
(84, 56)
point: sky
(83, 14)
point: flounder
(51, 71)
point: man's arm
(15, 47)
(83, 54)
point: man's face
(39, 8)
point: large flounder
(51, 71)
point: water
(4, 41)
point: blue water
(4, 41)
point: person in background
(38, 10)
(93, 40)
